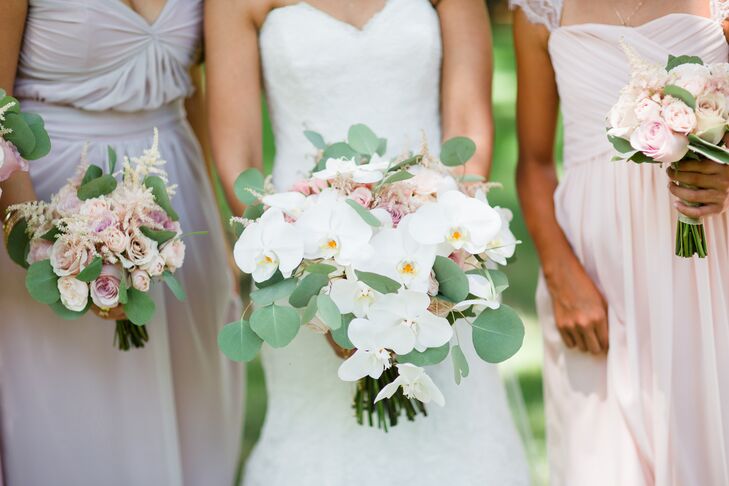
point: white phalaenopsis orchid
(398, 256)
(503, 245)
(408, 324)
(331, 229)
(415, 383)
(371, 357)
(352, 296)
(267, 245)
(456, 221)
(483, 289)
(363, 174)
(291, 203)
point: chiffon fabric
(74, 410)
(325, 75)
(653, 412)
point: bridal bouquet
(101, 242)
(382, 256)
(22, 137)
(672, 113)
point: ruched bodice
(101, 55)
(386, 75)
(589, 88)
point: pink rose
(69, 256)
(658, 142)
(105, 289)
(115, 239)
(155, 267)
(397, 212)
(362, 195)
(141, 280)
(678, 116)
(173, 254)
(66, 200)
(40, 250)
(647, 109)
(74, 293)
(10, 160)
(140, 249)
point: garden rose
(711, 115)
(40, 250)
(141, 280)
(155, 267)
(105, 289)
(10, 160)
(115, 239)
(140, 249)
(362, 195)
(647, 109)
(678, 116)
(70, 255)
(173, 254)
(691, 77)
(657, 141)
(622, 117)
(66, 200)
(74, 293)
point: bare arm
(466, 78)
(579, 309)
(233, 89)
(197, 114)
(18, 187)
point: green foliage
(42, 282)
(159, 190)
(249, 185)
(457, 151)
(42, 141)
(18, 243)
(430, 356)
(321, 268)
(174, 285)
(401, 175)
(309, 311)
(160, 236)
(99, 186)
(92, 270)
(380, 283)
(498, 334)
(674, 61)
(708, 150)
(681, 94)
(460, 364)
(340, 335)
(620, 144)
(328, 312)
(276, 325)
(268, 295)
(308, 287)
(67, 314)
(21, 136)
(339, 150)
(452, 281)
(139, 307)
(111, 158)
(364, 213)
(363, 140)
(238, 341)
(253, 211)
(123, 288)
(316, 139)
(92, 172)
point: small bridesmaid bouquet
(22, 137)
(382, 257)
(673, 113)
(102, 243)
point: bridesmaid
(73, 409)
(652, 411)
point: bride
(403, 67)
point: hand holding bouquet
(22, 137)
(674, 113)
(383, 256)
(102, 243)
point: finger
(702, 196)
(567, 338)
(602, 330)
(704, 166)
(698, 212)
(591, 340)
(580, 340)
(694, 179)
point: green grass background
(523, 372)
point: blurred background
(523, 372)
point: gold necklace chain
(626, 20)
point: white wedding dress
(325, 75)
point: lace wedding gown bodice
(324, 75)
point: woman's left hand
(709, 183)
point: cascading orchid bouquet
(384, 256)
(22, 137)
(101, 242)
(673, 113)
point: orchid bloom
(371, 357)
(267, 245)
(291, 203)
(503, 245)
(415, 383)
(363, 174)
(408, 324)
(332, 229)
(352, 296)
(456, 221)
(398, 256)
(483, 289)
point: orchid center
(267, 259)
(457, 237)
(330, 246)
(410, 324)
(407, 269)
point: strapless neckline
(635, 27)
(365, 28)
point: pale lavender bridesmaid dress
(75, 411)
(654, 412)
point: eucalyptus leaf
(161, 197)
(380, 283)
(174, 285)
(238, 342)
(499, 279)
(328, 312)
(457, 151)
(253, 211)
(709, 150)
(363, 140)
(430, 356)
(308, 287)
(452, 281)
(268, 295)
(275, 278)
(309, 311)
(364, 213)
(339, 150)
(620, 144)
(139, 307)
(341, 335)
(497, 334)
(92, 270)
(276, 325)
(401, 175)
(42, 140)
(641, 158)
(111, 158)
(100, 186)
(249, 185)
(321, 268)
(21, 136)
(92, 172)
(382, 147)
(123, 288)
(681, 94)
(42, 282)
(316, 139)
(18, 243)
(5, 99)
(416, 159)
(160, 236)
(674, 61)
(460, 364)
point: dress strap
(720, 10)
(545, 12)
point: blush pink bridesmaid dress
(656, 410)
(74, 411)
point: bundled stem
(388, 410)
(129, 335)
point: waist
(62, 121)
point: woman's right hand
(580, 311)
(114, 314)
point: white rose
(622, 118)
(678, 116)
(691, 77)
(74, 293)
(657, 141)
(115, 239)
(173, 254)
(140, 249)
(141, 280)
(711, 115)
(69, 256)
(155, 266)
(647, 109)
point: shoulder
(542, 12)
